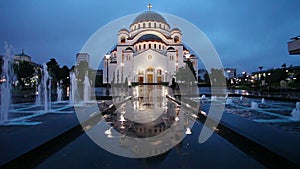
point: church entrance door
(141, 80)
(150, 78)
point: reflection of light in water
(176, 118)
(122, 119)
(195, 116)
(108, 131)
(241, 98)
(123, 110)
(122, 125)
(202, 112)
(188, 131)
(215, 129)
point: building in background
(294, 46)
(22, 57)
(82, 57)
(230, 73)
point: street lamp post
(107, 57)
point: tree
(186, 73)
(64, 76)
(24, 70)
(206, 78)
(217, 77)
(54, 70)
(191, 67)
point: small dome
(22, 54)
(149, 16)
(175, 29)
(149, 37)
(123, 29)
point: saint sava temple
(149, 52)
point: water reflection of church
(150, 115)
(150, 52)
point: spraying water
(296, 112)
(254, 105)
(59, 93)
(49, 94)
(38, 99)
(73, 88)
(213, 98)
(86, 89)
(45, 79)
(7, 76)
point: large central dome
(149, 16)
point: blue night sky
(246, 34)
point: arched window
(144, 46)
(150, 69)
(159, 47)
(149, 45)
(154, 25)
(123, 40)
(159, 25)
(140, 47)
(154, 46)
(176, 39)
(158, 71)
(144, 25)
(149, 25)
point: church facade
(150, 52)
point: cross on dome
(149, 6)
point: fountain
(38, 99)
(86, 89)
(229, 101)
(49, 94)
(59, 93)
(241, 98)
(73, 88)
(254, 105)
(296, 112)
(213, 98)
(226, 96)
(263, 101)
(45, 80)
(8, 74)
